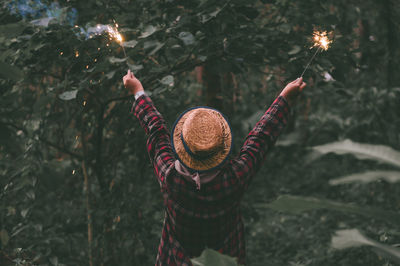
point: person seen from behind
(202, 185)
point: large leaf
(211, 257)
(362, 151)
(367, 177)
(298, 204)
(353, 238)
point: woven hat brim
(189, 161)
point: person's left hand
(132, 83)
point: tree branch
(61, 149)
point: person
(201, 184)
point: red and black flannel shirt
(209, 217)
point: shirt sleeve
(259, 141)
(158, 141)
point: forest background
(76, 185)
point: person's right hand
(132, 83)
(292, 90)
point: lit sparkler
(114, 34)
(321, 41)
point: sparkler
(321, 41)
(114, 34)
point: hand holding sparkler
(132, 83)
(321, 41)
(292, 90)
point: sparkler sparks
(321, 40)
(114, 34)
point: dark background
(76, 185)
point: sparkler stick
(309, 62)
(321, 41)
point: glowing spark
(73, 171)
(76, 53)
(95, 59)
(61, 53)
(321, 40)
(114, 34)
(84, 103)
(87, 66)
(98, 48)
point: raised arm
(263, 136)
(158, 142)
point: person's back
(201, 186)
(205, 218)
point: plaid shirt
(209, 217)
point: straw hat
(202, 139)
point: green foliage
(63, 107)
(353, 238)
(361, 151)
(296, 205)
(367, 177)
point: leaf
(130, 44)
(298, 204)
(211, 257)
(4, 237)
(367, 177)
(285, 28)
(42, 22)
(114, 60)
(296, 49)
(202, 58)
(289, 139)
(186, 37)
(149, 30)
(207, 17)
(168, 80)
(24, 212)
(19, 230)
(68, 95)
(10, 72)
(348, 238)
(361, 151)
(30, 194)
(158, 47)
(110, 74)
(134, 68)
